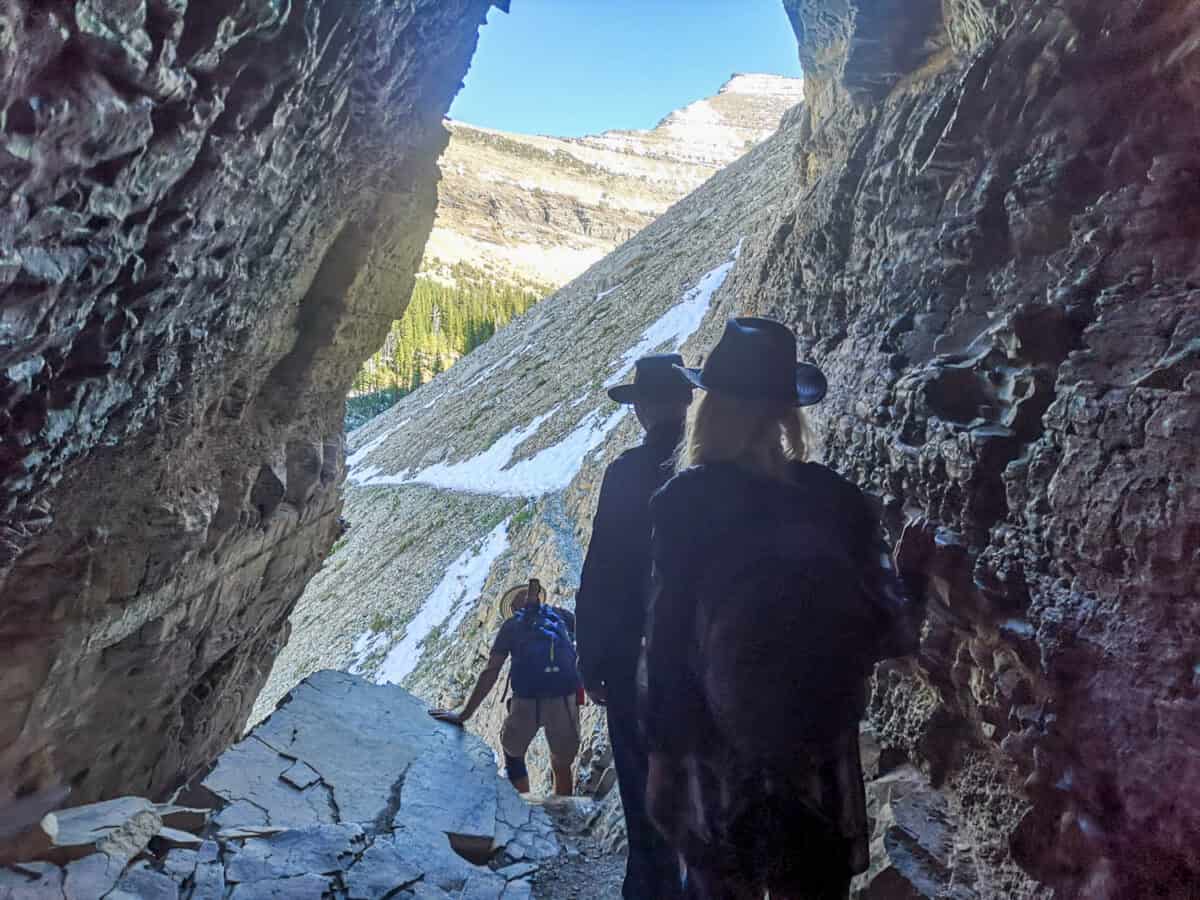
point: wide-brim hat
(655, 378)
(756, 359)
(509, 598)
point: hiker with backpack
(774, 596)
(544, 679)
(611, 605)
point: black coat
(611, 603)
(696, 517)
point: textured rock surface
(993, 252)
(399, 800)
(529, 207)
(983, 224)
(194, 195)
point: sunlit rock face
(993, 252)
(196, 196)
(543, 209)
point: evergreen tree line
(442, 324)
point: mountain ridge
(539, 208)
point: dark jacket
(704, 509)
(611, 603)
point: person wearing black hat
(611, 605)
(773, 597)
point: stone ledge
(348, 790)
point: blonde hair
(762, 439)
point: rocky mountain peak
(538, 210)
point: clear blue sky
(572, 67)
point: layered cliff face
(529, 208)
(992, 251)
(194, 197)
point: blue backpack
(543, 661)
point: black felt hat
(655, 378)
(756, 359)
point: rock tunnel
(990, 246)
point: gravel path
(584, 869)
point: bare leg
(521, 784)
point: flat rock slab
(381, 870)
(141, 882)
(335, 751)
(249, 777)
(317, 849)
(348, 789)
(31, 881)
(120, 827)
(299, 887)
(301, 775)
(517, 870)
(459, 800)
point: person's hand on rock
(448, 715)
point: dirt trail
(584, 868)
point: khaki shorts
(558, 715)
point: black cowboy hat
(756, 359)
(655, 378)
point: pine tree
(441, 325)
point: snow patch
(366, 449)
(550, 469)
(356, 473)
(451, 475)
(679, 322)
(448, 604)
(554, 467)
(365, 645)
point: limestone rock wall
(196, 197)
(992, 249)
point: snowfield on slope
(445, 607)
(552, 468)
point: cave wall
(198, 198)
(993, 253)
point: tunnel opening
(175, 523)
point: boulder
(120, 828)
(375, 757)
(409, 806)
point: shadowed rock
(196, 198)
